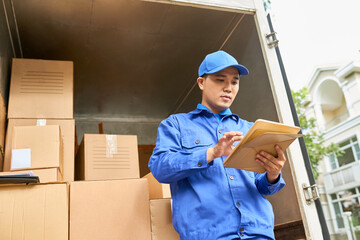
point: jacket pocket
(191, 139)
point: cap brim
(242, 70)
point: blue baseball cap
(217, 61)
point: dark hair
(204, 75)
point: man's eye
(235, 83)
(220, 80)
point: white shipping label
(111, 145)
(41, 122)
(21, 158)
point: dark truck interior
(136, 62)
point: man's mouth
(226, 97)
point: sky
(315, 33)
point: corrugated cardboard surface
(156, 189)
(45, 175)
(113, 209)
(41, 89)
(67, 127)
(38, 211)
(161, 220)
(103, 157)
(44, 142)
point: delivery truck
(135, 63)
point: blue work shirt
(209, 200)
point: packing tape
(111, 145)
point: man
(209, 200)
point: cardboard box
(156, 189)
(35, 147)
(46, 175)
(41, 89)
(113, 209)
(34, 211)
(67, 129)
(161, 220)
(104, 157)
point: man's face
(219, 89)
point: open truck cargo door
(135, 63)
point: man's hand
(224, 146)
(272, 164)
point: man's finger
(237, 138)
(266, 161)
(233, 133)
(280, 153)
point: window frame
(338, 201)
(351, 145)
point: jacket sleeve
(266, 188)
(169, 162)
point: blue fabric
(219, 115)
(217, 61)
(209, 200)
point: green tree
(267, 4)
(314, 140)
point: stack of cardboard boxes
(40, 138)
(129, 208)
(40, 119)
(109, 200)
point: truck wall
(6, 54)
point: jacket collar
(227, 112)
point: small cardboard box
(35, 147)
(41, 89)
(111, 210)
(104, 157)
(156, 189)
(161, 220)
(67, 129)
(34, 211)
(45, 175)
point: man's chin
(223, 107)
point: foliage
(314, 140)
(357, 233)
(267, 4)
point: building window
(346, 201)
(351, 154)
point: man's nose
(227, 87)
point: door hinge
(311, 193)
(271, 40)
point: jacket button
(199, 164)
(238, 204)
(231, 177)
(197, 141)
(241, 234)
(241, 229)
(220, 131)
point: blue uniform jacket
(209, 200)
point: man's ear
(200, 82)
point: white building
(335, 103)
